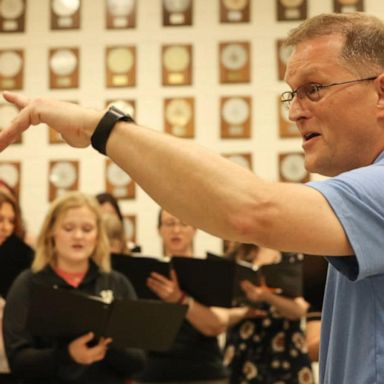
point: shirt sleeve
(357, 199)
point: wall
(148, 37)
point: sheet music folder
(211, 282)
(67, 314)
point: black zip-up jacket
(44, 360)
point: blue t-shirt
(352, 335)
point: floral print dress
(268, 350)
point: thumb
(16, 98)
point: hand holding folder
(68, 314)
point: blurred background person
(72, 253)
(195, 357)
(266, 344)
(115, 233)
(15, 255)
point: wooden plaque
(11, 69)
(177, 12)
(282, 56)
(121, 14)
(242, 159)
(347, 6)
(179, 116)
(7, 113)
(177, 64)
(289, 10)
(130, 228)
(235, 11)
(235, 62)
(120, 66)
(291, 168)
(235, 117)
(287, 128)
(118, 182)
(64, 66)
(63, 177)
(12, 16)
(10, 172)
(65, 14)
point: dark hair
(240, 251)
(106, 197)
(19, 228)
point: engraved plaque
(177, 64)
(177, 12)
(7, 113)
(347, 6)
(130, 231)
(235, 62)
(63, 177)
(12, 16)
(291, 10)
(11, 69)
(179, 116)
(65, 14)
(287, 128)
(120, 67)
(242, 159)
(235, 117)
(118, 182)
(282, 55)
(291, 168)
(64, 68)
(120, 14)
(234, 11)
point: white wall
(148, 37)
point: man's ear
(380, 88)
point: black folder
(67, 314)
(213, 282)
(15, 256)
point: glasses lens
(310, 91)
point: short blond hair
(363, 49)
(45, 247)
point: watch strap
(104, 128)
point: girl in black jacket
(72, 253)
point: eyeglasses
(173, 224)
(311, 91)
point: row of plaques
(121, 14)
(120, 66)
(63, 175)
(179, 117)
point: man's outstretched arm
(197, 185)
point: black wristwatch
(101, 134)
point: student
(270, 347)
(72, 253)
(195, 357)
(11, 246)
(336, 76)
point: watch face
(177, 6)
(65, 8)
(63, 174)
(234, 56)
(176, 58)
(10, 174)
(63, 62)
(11, 9)
(235, 5)
(117, 176)
(235, 111)
(291, 3)
(124, 106)
(120, 8)
(120, 60)
(10, 63)
(292, 167)
(178, 112)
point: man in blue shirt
(336, 75)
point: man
(337, 102)
(195, 357)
